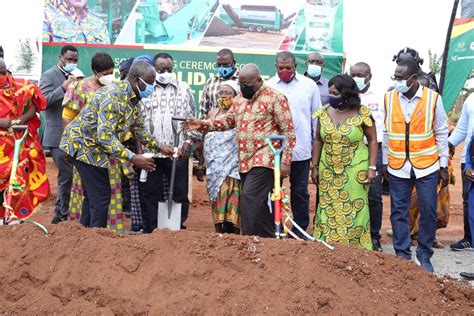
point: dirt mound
(219, 28)
(80, 271)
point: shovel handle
(280, 138)
(177, 118)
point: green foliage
(435, 62)
(26, 55)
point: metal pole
(446, 46)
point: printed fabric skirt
(226, 207)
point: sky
(374, 30)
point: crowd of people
(341, 134)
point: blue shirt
(464, 127)
(304, 98)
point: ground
(93, 271)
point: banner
(460, 62)
(192, 31)
(193, 67)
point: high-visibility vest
(415, 140)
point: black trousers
(465, 203)
(299, 178)
(255, 215)
(64, 183)
(151, 191)
(96, 186)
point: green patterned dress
(343, 211)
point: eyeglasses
(397, 78)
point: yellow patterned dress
(343, 211)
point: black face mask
(247, 91)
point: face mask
(401, 86)
(360, 81)
(69, 67)
(225, 71)
(225, 103)
(286, 75)
(148, 90)
(314, 70)
(335, 102)
(106, 80)
(164, 78)
(247, 91)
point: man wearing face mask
(261, 112)
(303, 97)
(170, 97)
(97, 134)
(362, 74)
(53, 83)
(315, 66)
(415, 154)
(226, 70)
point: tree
(434, 62)
(26, 55)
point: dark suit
(51, 86)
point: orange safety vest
(415, 140)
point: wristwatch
(373, 168)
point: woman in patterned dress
(340, 165)
(79, 94)
(222, 166)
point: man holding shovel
(170, 98)
(261, 112)
(97, 134)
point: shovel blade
(172, 222)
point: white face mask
(164, 78)
(106, 80)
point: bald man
(315, 66)
(98, 132)
(261, 112)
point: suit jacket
(51, 85)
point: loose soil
(92, 271)
(89, 271)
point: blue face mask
(148, 90)
(69, 67)
(225, 71)
(314, 70)
(335, 102)
(360, 81)
(401, 85)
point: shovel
(169, 212)
(14, 188)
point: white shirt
(441, 131)
(465, 127)
(304, 98)
(175, 99)
(375, 103)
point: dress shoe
(55, 220)
(376, 245)
(468, 275)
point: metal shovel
(169, 212)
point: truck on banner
(192, 31)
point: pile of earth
(219, 28)
(89, 271)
